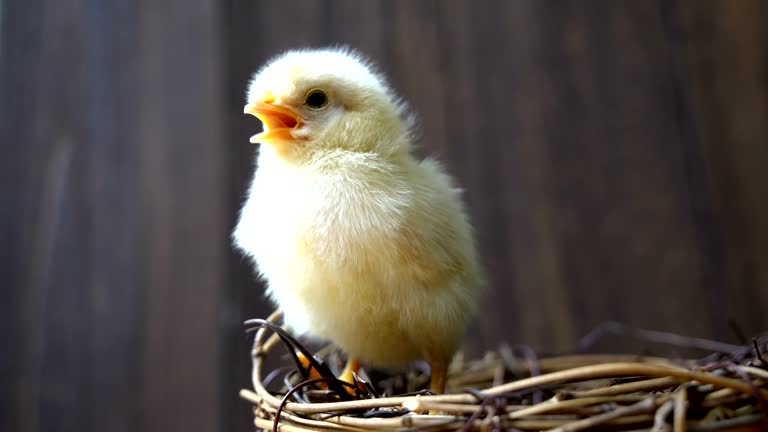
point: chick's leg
(312, 372)
(438, 374)
(353, 366)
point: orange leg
(313, 373)
(438, 375)
(353, 366)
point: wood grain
(612, 156)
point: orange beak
(278, 121)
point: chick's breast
(375, 255)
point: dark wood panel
(80, 338)
(103, 342)
(184, 215)
(611, 153)
(726, 66)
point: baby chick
(359, 242)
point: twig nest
(516, 390)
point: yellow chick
(359, 242)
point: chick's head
(316, 101)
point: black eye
(316, 99)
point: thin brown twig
(419, 405)
(475, 415)
(266, 424)
(590, 422)
(758, 395)
(660, 417)
(557, 405)
(754, 371)
(298, 387)
(622, 369)
(632, 387)
(405, 421)
(728, 424)
(681, 409)
(259, 347)
(757, 351)
(545, 424)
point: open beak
(278, 121)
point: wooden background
(614, 156)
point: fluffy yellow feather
(359, 242)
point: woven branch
(572, 393)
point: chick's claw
(350, 371)
(349, 375)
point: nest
(514, 390)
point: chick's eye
(316, 99)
